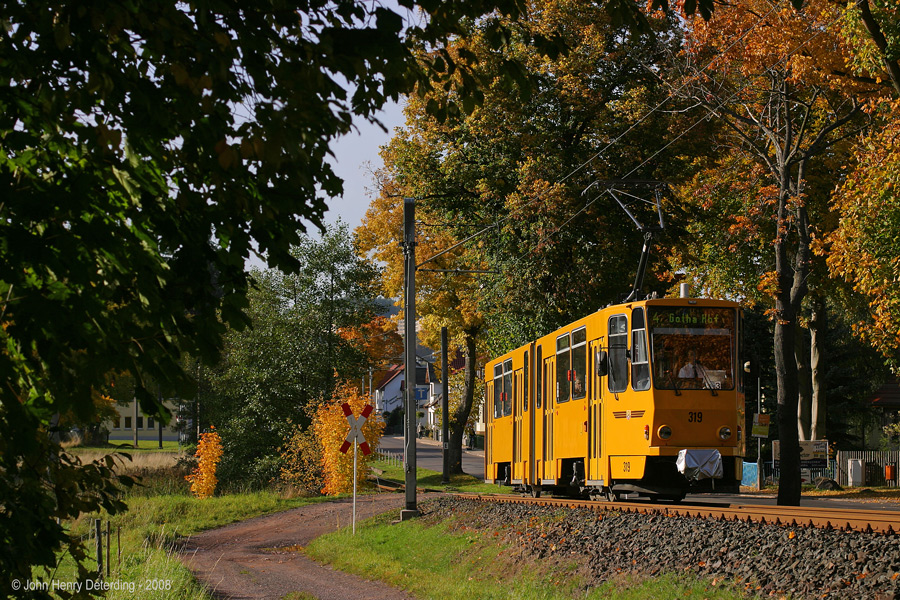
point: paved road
(428, 455)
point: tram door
(595, 412)
(518, 469)
(489, 470)
(535, 420)
(549, 376)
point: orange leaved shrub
(209, 452)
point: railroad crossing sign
(356, 424)
(356, 435)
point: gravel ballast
(765, 560)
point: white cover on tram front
(700, 464)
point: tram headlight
(724, 433)
(664, 432)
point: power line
(710, 111)
(596, 155)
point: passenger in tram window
(692, 368)
(577, 387)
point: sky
(355, 160)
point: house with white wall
(389, 393)
(124, 425)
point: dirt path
(241, 561)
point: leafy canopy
(146, 150)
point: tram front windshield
(692, 347)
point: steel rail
(869, 521)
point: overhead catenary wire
(710, 111)
(596, 155)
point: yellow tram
(643, 397)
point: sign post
(356, 438)
(760, 431)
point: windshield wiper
(706, 380)
(674, 383)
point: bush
(301, 461)
(209, 453)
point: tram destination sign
(813, 455)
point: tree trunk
(786, 370)
(461, 416)
(818, 325)
(874, 28)
(804, 385)
(792, 288)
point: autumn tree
(872, 30)
(209, 452)
(775, 91)
(523, 160)
(379, 341)
(861, 249)
(864, 248)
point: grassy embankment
(470, 565)
(434, 561)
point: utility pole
(409, 319)
(159, 397)
(445, 408)
(135, 417)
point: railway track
(868, 521)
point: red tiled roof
(424, 375)
(392, 372)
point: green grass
(435, 562)
(426, 478)
(126, 446)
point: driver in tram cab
(692, 368)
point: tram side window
(579, 364)
(640, 364)
(562, 368)
(539, 381)
(507, 388)
(618, 359)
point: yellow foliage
(209, 451)
(809, 44)
(330, 428)
(301, 460)
(863, 249)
